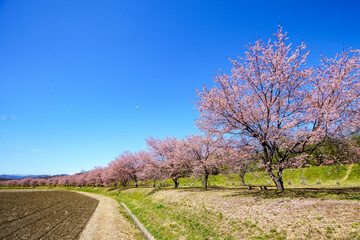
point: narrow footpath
(348, 172)
(107, 223)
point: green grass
(169, 220)
(355, 173)
(310, 176)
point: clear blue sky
(72, 73)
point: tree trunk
(136, 184)
(242, 179)
(176, 181)
(242, 176)
(277, 179)
(279, 183)
(205, 181)
(124, 183)
(154, 182)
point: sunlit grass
(327, 176)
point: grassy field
(311, 176)
(318, 203)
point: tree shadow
(346, 193)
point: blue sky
(82, 81)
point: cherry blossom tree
(64, 180)
(133, 164)
(80, 179)
(71, 180)
(13, 182)
(170, 154)
(340, 150)
(53, 181)
(43, 181)
(205, 154)
(108, 176)
(127, 167)
(241, 159)
(96, 176)
(25, 182)
(284, 108)
(34, 182)
(116, 174)
(151, 169)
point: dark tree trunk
(154, 182)
(277, 179)
(279, 184)
(124, 183)
(205, 181)
(242, 180)
(136, 184)
(176, 181)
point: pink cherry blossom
(284, 108)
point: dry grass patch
(240, 216)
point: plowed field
(44, 214)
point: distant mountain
(14, 176)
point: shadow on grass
(345, 193)
(155, 190)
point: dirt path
(107, 223)
(348, 172)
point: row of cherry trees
(273, 107)
(170, 158)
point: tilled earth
(44, 214)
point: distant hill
(14, 176)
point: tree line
(196, 156)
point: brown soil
(44, 214)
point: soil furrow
(59, 215)
(30, 214)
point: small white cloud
(21, 148)
(137, 107)
(5, 117)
